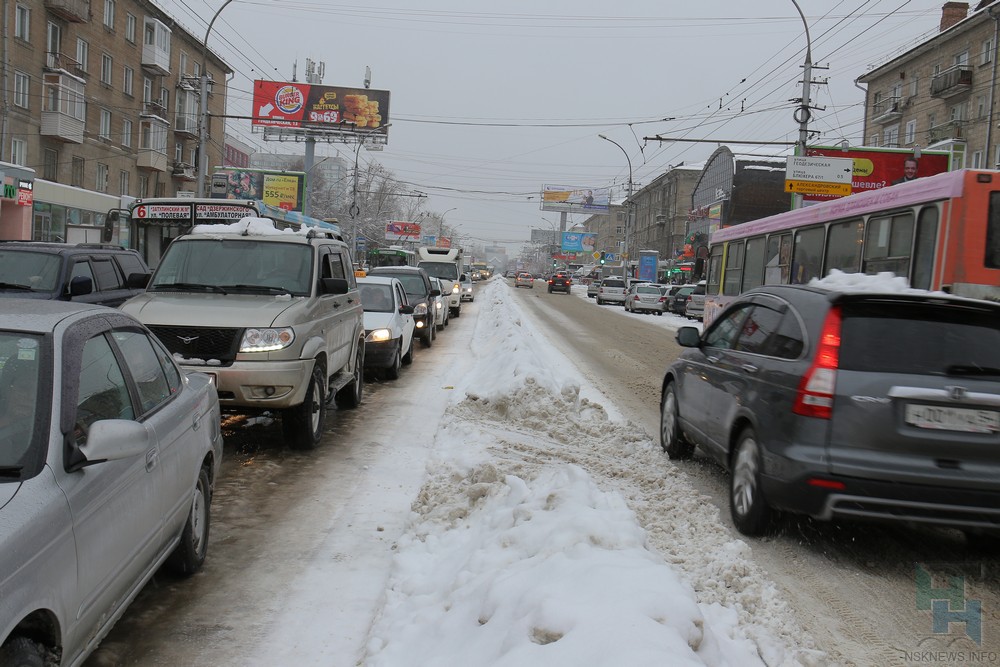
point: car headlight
(266, 340)
(420, 309)
(378, 336)
(456, 288)
(438, 305)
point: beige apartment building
(942, 93)
(661, 211)
(101, 99)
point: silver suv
(854, 404)
(612, 290)
(273, 316)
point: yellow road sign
(817, 188)
(596, 255)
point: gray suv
(867, 404)
(272, 315)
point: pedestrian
(909, 171)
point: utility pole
(203, 125)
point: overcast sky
(491, 102)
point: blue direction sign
(609, 257)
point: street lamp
(628, 211)
(555, 240)
(441, 224)
(203, 125)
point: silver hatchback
(868, 404)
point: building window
(130, 28)
(958, 112)
(22, 89)
(101, 184)
(107, 65)
(962, 58)
(53, 40)
(147, 89)
(981, 106)
(82, 54)
(936, 69)
(987, 54)
(164, 98)
(911, 131)
(64, 94)
(50, 165)
(105, 131)
(76, 172)
(153, 136)
(123, 183)
(127, 133)
(143, 186)
(19, 151)
(184, 63)
(179, 151)
(874, 140)
(109, 14)
(129, 75)
(161, 189)
(977, 160)
(22, 22)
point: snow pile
(884, 281)
(248, 226)
(548, 533)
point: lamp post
(802, 113)
(628, 211)
(441, 224)
(203, 125)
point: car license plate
(953, 419)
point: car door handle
(749, 368)
(712, 358)
(152, 459)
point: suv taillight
(815, 395)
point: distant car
(440, 305)
(84, 273)
(845, 404)
(468, 290)
(695, 307)
(419, 294)
(593, 288)
(680, 299)
(559, 282)
(645, 298)
(389, 324)
(524, 280)
(612, 290)
(108, 458)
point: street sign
(817, 188)
(609, 257)
(820, 169)
(597, 255)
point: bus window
(843, 246)
(992, 259)
(714, 270)
(923, 250)
(889, 243)
(734, 269)
(779, 250)
(753, 264)
(807, 255)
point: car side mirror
(137, 280)
(406, 310)
(688, 337)
(463, 277)
(81, 285)
(435, 292)
(334, 286)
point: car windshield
(20, 373)
(235, 265)
(22, 270)
(413, 284)
(443, 270)
(376, 298)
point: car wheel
(458, 311)
(350, 396)
(189, 555)
(408, 357)
(22, 652)
(659, 313)
(747, 506)
(428, 338)
(392, 372)
(303, 424)
(672, 438)
(599, 301)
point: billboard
(576, 200)
(876, 168)
(281, 189)
(582, 242)
(397, 230)
(306, 105)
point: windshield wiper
(961, 369)
(11, 471)
(26, 288)
(188, 287)
(259, 288)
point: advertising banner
(402, 231)
(296, 105)
(648, 264)
(578, 242)
(876, 168)
(575, 200)
(281, 189)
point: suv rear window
(612, 282)
(919, 339)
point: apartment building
(941, 93)
(102, 101)
(660, 212)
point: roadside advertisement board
(575, 200)
(397, 230)
(281, 189)
(582, 242)
(296, 105)
(876, 168)
(648, 264)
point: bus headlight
(266, 340)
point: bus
(149, 225)
(940, 232)
(445, 264)
(392, 256)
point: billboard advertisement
(576, 200)
(397, 230)
(281, 189)
(297, 105)
(876, 168)
(582, 242)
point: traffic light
(553, 264)
(602, 261)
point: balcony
(60, 61)
(953, 129)
(74, 11)
(155, 47)
(888, 110)
(951, 82)
(184, 172)
(64, 107)
(154, 108)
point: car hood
(21, 294)
(213, 310)
(378, 321)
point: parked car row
(644, 297)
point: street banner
(578, 242)
(281, 189)
(589, 200)
(876, 168)
(297, 105)
(402, 231)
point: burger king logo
(288, 99)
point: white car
(612, 290)
(440, 303)
(389, 324)
(467, 290)
(524, 280)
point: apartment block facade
(660, 213)
(102, 101)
